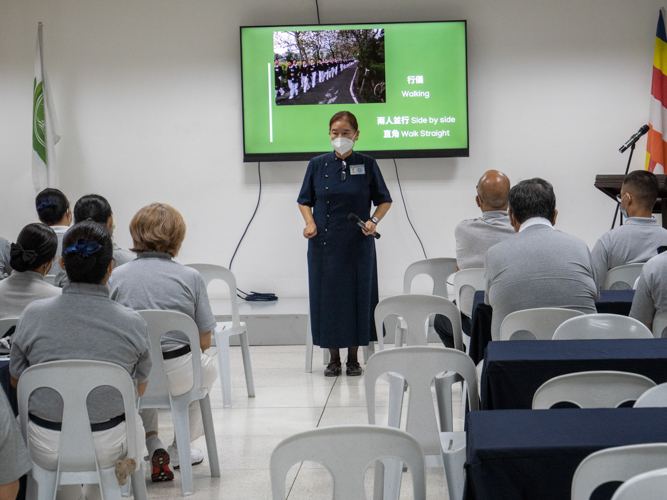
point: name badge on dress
(357, 169)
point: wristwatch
(375, 220)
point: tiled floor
(288, 401)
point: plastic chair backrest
(602, 326)
(160, 322)
(634, 287)
(594, 389)
(650, 485)
(438, 269)
(73, 380)
(622, 277)
(347, 451)
(655, 397)
(50, 279)
(211, 272)
(415, 309)
(541, 322)
(616, 464)
(418, 366)
(660, 325)
(467, 280)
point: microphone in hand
(354, 219)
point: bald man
(475, 236)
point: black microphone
(634, 138)
(354, 219)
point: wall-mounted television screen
(405, 82)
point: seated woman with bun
(82, 323)
(53, 210)
(155, 281)
(31, 258)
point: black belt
(57, 426)
(176, 353)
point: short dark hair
(92, 206)
(344, 115)
(532, 198)
(35, 246)
(644, 186)
(51, 205)
(87, 251)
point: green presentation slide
(405, 82)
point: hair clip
(18, 252)
(84, 248)
(46, 204)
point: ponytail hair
(51, 205)
(94, 207)
(35, 246)
(87, 251)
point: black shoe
(353, 370)
(333, 369)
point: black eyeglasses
(343, 175)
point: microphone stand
(618, 205)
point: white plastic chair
(541, 322)
(419, 366)
(77, 463)
(650, 485)
(467, 280)
(415, 310)
(5, 325)
(157, 393)
(602, 326)
(634, 287)
(594, 389)
(346, 451)
(225, 330)
(50, 279)
(659, 325)
(616, 464)
(622, 277)
(655, 397)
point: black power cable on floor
(253, 296)
(406, 210)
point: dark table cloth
(532, 454)
(611, 302)
(514, 370)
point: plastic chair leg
(393, 476)
(309, 349)
(43, 484)
(378, 481)
(247, 365)
(138, 482)
(454, 463)
(396, 391)
(209, 434)
(223, 364)
(326, 357)
(182, 434)
(443, 391)
(109, 484)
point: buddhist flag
(45, 132)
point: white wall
(148, 97)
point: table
(611, 302)
(532, 454)
(514, 370)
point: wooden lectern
(611, 186)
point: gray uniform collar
(154, 255)
(646, 221)
(86, 289)
(494, 214)
(27, 276)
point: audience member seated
(155, 281)
(651, 294)
(82, 323)
(31, 258)
(475, 236)
(638, 239)
(53, 210)
(539, 266)
(5, 268)
(13, 453)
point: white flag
(45, 131)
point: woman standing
(342, 267)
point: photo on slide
(329, 67)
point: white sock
(153, 443)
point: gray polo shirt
(13, 453)
(637, 240)
(539, 267)
(82, 323)
(475, 236)
(154, 281)
(20, 289)
(5, 257)
(651, 294)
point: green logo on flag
(38, 136)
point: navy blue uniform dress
(342, 267)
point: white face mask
(342, 145)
